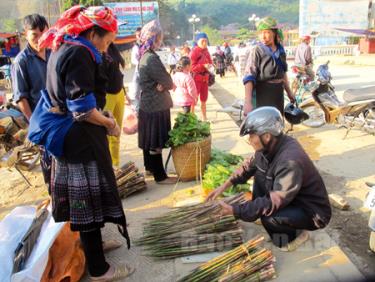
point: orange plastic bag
(66, 260)
(130, 121)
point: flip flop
(118, 272)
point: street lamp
(193, 20)
(178, 40)
(253, 19)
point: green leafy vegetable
(219, 169)
(188, 128)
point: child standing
(185, 93)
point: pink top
(185, 92)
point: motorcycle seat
(360, 94)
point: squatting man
(289, 195)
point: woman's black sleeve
(79, 74)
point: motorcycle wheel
(316, 116)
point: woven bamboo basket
(191, 158)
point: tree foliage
(215, 14)
(213, 34)
(9, 25)
(218, 13)
(245, 33)
(69, 3)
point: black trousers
(286, 224)
(270, 94)
(93, 248)
(153, 162)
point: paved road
(345, 77)
(344, 164)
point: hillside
(217, 13)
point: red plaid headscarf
(76, 20)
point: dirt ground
(345, 166)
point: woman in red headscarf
(70, 123)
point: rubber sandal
(114, 273)
(292, 246)
(122, 272)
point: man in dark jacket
(289, 195)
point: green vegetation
(9, 25)
(216, 14)
(69, 3)
(213, 34)
(174, 15)
(219, 169)
(188, 128)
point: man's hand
(292, 99)
(215, 193)
(24, 106)
(159, 88)
(225, 209)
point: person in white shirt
(134, 89)
(241, 58)
(303, 56)
(173, 59)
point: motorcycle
(299, 81)
(370, 204)
(302, 86)
(357, 110)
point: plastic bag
(3, 98)
(12, 228)
(130, 121)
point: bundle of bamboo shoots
(247, 262)
(129, 180)
(192, 230)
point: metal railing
(335, 50)
(341, 50)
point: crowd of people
(68, 82)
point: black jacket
(151, 73)
(284, 177)
(113, 60)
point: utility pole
(371, 16)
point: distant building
(324, 16)
(229, 31)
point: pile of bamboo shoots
(248, 262)
(129, 180)
(192, 230)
